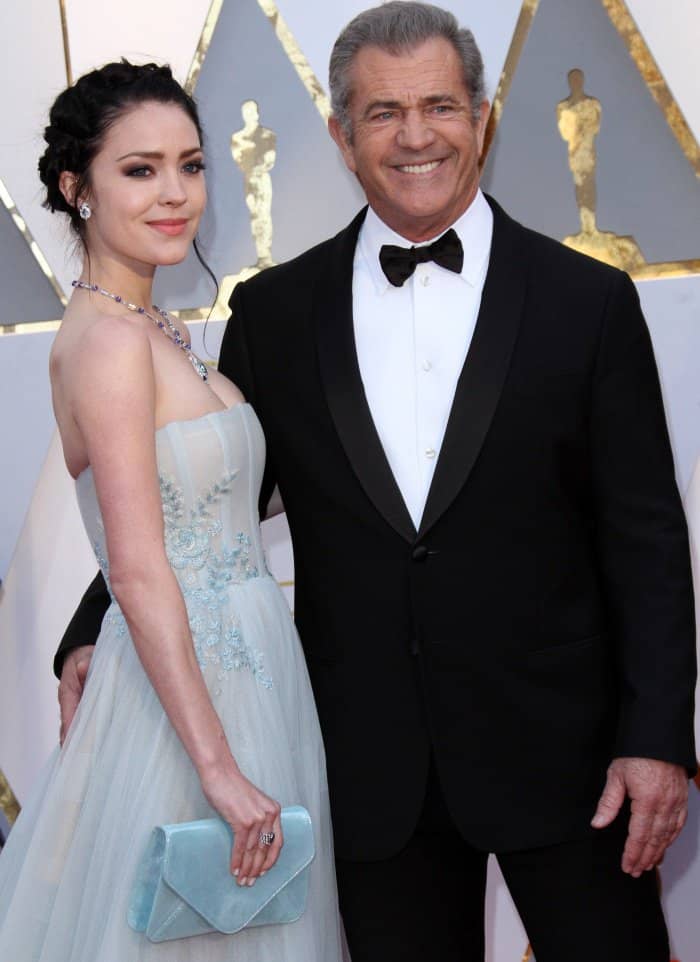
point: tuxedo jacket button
(420, 553)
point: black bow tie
(398, 263)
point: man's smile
(424, 168)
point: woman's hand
(250, 813)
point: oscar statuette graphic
(578, 119)
(254, 150)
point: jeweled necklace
(165, 324)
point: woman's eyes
(191, 167)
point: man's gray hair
(399, 27)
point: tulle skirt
(68, 866)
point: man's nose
(415, 132)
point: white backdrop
(52, 562)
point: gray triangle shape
(27, 294)
(646, 187)
(313, 194)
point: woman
(198, 701)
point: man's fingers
(647, 838)
(610, 802)
(679, 820)
(650, 856)
(70, 688)
(663, 831)
(631, 856)
(638, 832)
(658, 793)
(68, 704)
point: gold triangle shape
(9, 805)
(285, 37)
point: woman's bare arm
(115, 411)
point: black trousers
(426, 904)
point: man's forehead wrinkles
(418, 77)
(413, 89)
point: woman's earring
(85, 211)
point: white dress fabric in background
(67, 870)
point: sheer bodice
(210, 479)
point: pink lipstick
(171, 226)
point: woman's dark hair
(81, 116)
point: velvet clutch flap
(184, 884)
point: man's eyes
(439, 110)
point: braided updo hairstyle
(81, 116)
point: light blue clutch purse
(184, 884)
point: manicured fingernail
(251, 882)
(264, 872)
(243, 881)
(236, 871)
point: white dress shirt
(412, 342)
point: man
(492, 577)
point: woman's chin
(170, 258)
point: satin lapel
(485, 368)
(340, 373)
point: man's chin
(421, 213)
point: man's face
(415, 148)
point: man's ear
(341, 139)
(68, 184)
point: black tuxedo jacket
(541, 621)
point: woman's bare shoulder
(101, 354)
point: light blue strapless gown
(69, 863)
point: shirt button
(427, 366)
(425, 280)
(430, 452)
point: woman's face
(147, 190)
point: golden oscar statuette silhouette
(578, 118)
(254, 149)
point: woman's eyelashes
(191, 167)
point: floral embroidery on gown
(68, 866)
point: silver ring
(266, 838)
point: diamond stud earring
(85, 211)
